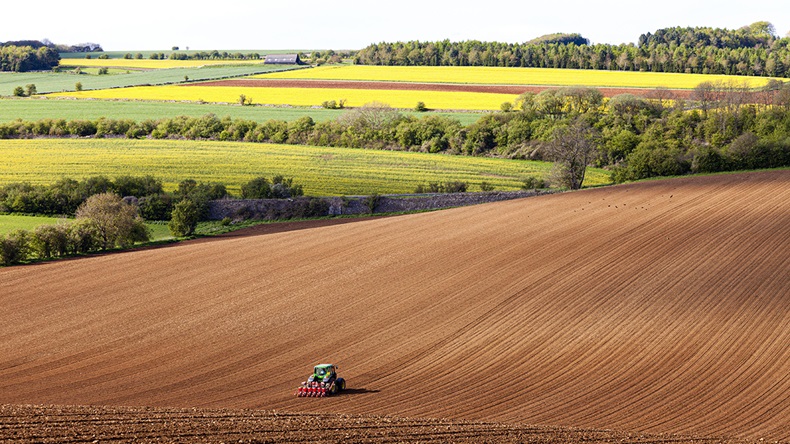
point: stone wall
(271, 209)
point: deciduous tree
(572, 148)
(184, 218)
(117, 223)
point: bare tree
(373, 115)
(661, 94)
(782, 98)
(768, 94)
(706, 95)
(572, 148)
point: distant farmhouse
(282, 59)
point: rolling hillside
(656, 307)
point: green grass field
(48, 82)
(147, 54)
(11, 222)
(321, 171)
(30, 109)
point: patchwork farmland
(645, 312)
(443, 88)
(479, 75)
(644, 308)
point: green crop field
(322, 171)
(30, 109)
(48, 82)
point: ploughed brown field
(624, 313)
(414, 86)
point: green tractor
(323, 382)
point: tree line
(27, 58)
(212, 55)
(146, 193)
(754, 50)
(104, 221)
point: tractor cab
(323, 373)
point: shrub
(184, 218)
(244, 100)
(156, 206)
(138, 186)
(420, 107)
(316, 208)
(200, 193)
(431, 187)
(81, 128)
(14, 247)
(78, 86)
(284, 188)
(258, 188)
(279, 188)
(455, 187)
(707, 160)
(82, 237)
(19, 91)
(50, 240)
(446, 187)
(372, 202)
(532, 183)
(485, 186)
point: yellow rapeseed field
(152, 64)
(301, 96)
(510, 76)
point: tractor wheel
(341, 384)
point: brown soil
(40, 424)
(652, 308)
(408, 86)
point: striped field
(322, 171)
(48, 82)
